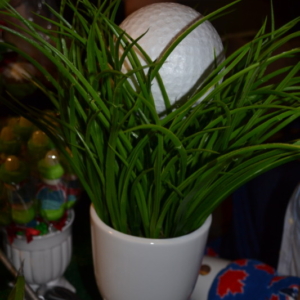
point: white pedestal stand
(45, 259)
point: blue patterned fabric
(251, 279)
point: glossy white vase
(133, 268)
(45, 259)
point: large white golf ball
(191, 61)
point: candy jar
(42, 254)
(51, 192)
(18, 189)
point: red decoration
(231, 282)
(13, 230)
(211, 252)
(276, 279)
(29, 232)
(242, 262)
(274, 297)
(265, 268)
(60, 224)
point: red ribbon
(13, 230)
(60, 224)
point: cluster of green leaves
(161, 176)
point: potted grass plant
(151, 177)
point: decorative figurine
(51, 193)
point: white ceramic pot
(133, 268)
(45, 259)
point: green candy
(43, 228)
(23, 216)
(50, 172)
(52, 214)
